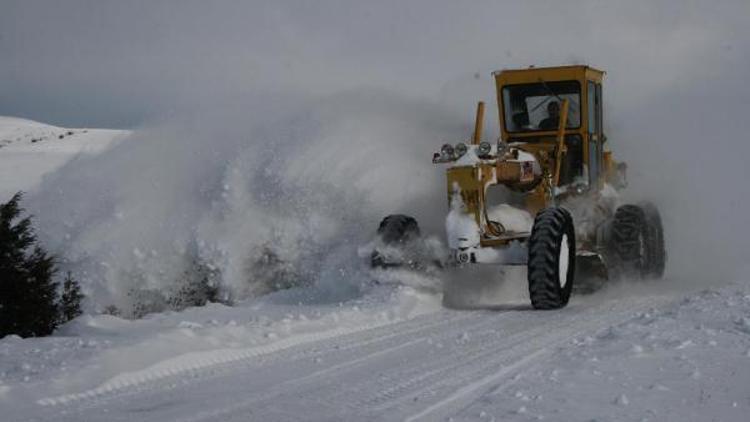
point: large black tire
(398, 228)
(627, 242)
(656, 254)
(394, 230)
(551, 267)
(636, 247)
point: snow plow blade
(485, 287)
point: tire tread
(549, 227)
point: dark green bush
(29, 301)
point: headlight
(446, 152)
(501, 147)
(484, 148)
(460, 149)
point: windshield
(537, 106)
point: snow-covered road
(626, 353)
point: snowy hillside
(29, 150)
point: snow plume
(245, 198)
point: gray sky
(118, 63)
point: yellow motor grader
(544, 195)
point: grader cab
(544, 194)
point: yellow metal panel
(465, 178)
(534, 74)
(478, 124)
(536, 200)
(594, 75)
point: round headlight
(446, 152)
(460, 149)
(484, 148)
(501, 147)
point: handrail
(561, 141)
(478, 124)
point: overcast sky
(118, 63)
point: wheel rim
(563, 261)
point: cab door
(595, 138)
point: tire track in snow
(195, 362)
(467, 380)
(387, 372)
(399, 336)
(289, 387)
(397, 384)
(446, 372)
(471, 388)
(394, 338)
(375, 335)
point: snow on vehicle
(543, 196)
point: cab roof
(555, 73)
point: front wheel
(551, 265)
(397, 232)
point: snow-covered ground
(98, 355)
(30, 150)
(394, 354)
(634, 351)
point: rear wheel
(627, 242)
(656, 254)
(637, 242)
(551, 265)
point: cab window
(534, 107)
